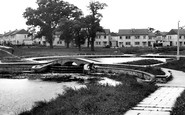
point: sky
(161, 15)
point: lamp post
(178, 45)
(178, 42)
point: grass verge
(96, 99)
(144, 62)
(179, 108)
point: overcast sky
(161, 15)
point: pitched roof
(174, 32)
(114, 34)
(22, 31)
(106, 31)
(10, 33)
(134, 32)
(161, 34)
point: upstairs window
(127, 37)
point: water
(19, 95)
(123, 59)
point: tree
(66, 29)
(80, 32)
(151, 29)
(48, 15)
(93, 20)
(72, 30)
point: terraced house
(16, 37)
(136, 38)
(172, 37)
(124, 38)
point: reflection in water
(20, 95)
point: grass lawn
(46, 51)
(96, 99)
(177, 64)
(179, 108)
(144, 62)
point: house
(161, 39)
(114, 41)
(16, 37)
(136, 38)
(102, 38)
(172, 37)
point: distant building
(16, 37)
(161, 39)
(172, 37)
(136, 38)
(102, 38)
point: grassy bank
(46, 51)
(144, 62)
(177, 65)
(96, 99)
(179, 108)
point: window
(105, 37)
(105, 43)
(144, 37)
(59, 42)
(144, 43)
(127, 37)
(98, 43)
(127, 43)
(137, 43)
(120, 37)
(25, 36)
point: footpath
(162, 101)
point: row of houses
(124, 38)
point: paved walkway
(161, 101)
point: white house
(16, 37)
(102, 38)
(172, 37)
(162, 39)
(136, 38)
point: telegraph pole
(178, 41)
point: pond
(118, 60)
(17, 95)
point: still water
(124, 59)
(17, 95)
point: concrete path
(162, 101)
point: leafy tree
(48, 15)
(151, 29)
(72, 30)
(66, 29)
(80, 32)
(93, 20)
